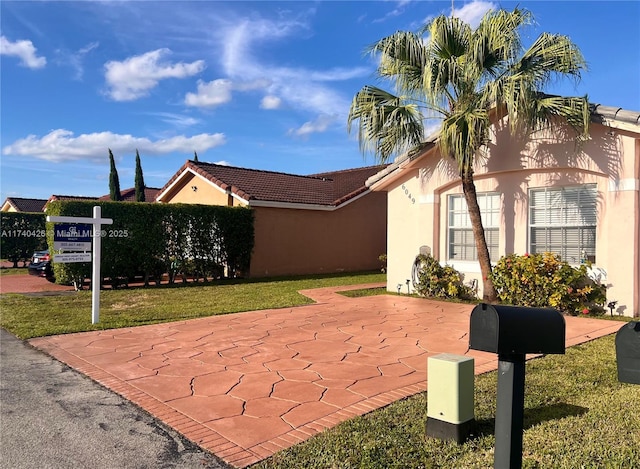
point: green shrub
(148, 240)
(383, 261)
(22, 234)
(543, 280)
(437, 281)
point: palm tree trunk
(489, 294)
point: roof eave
(336, 205)
(381, 180)
(615, 117)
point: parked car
(40, 264)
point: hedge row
(22, 234)
(151, 240)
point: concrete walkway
(244, 386)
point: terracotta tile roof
(26, 205)
(129, 195)
(70, 197)
(329, 189)
(598, 112)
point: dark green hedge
(148, 240)
(22, 234)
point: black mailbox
(628, 353)
(516, 330)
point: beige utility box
(450, 402)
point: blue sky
(263, 85)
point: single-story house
(19, 204)
(129, 195)
(55, 197)
(322, 223)
(541, 193)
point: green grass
(365, 292)
(28, 316)
(11, 271)
(577, 415)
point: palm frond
(448, 42)
(402, 58)
(574, 110)
(551, 55)
(387, 124)
(463, 133)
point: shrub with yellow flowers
(544, 280)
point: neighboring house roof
(69, 197)
(20, 204)
(606, 115)
(55, 197)
(259, 187)
(129, 195)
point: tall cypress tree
(114, 181)
(195, 156)
(139, 181)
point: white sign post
(97, 221)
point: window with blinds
(563, 221)
(462, 246)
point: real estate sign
(95, 223)
(68, 257)
(73, 237)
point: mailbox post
(512, 332)
(628, 353)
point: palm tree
(466, 77)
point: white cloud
(134, 77)
(259, 84)
(238, 38)
(473, 12)
(270, 102)
(24, 50)
(61, 145)
(217, 92)
(320, 124)
(176, 120)
(76, 59)
(210, 94)
(395, 12)
(302, 89)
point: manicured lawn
(35, 316)
(577, 415)
(11, 271)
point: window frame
(569, 229)
(490, 215)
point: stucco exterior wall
(301, 241)
(411, 225)
(205, 193)
(511, 167)
(293, 242)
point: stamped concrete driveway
(244, 386)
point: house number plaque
(408, 194)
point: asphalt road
(53, 417)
